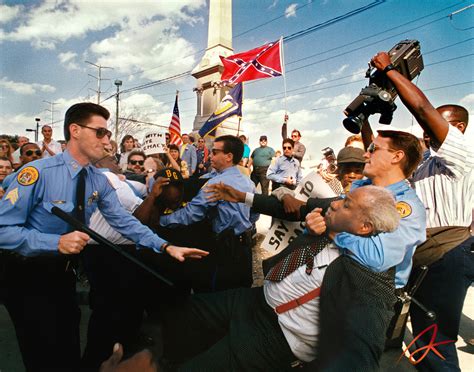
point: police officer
(231, 223)
(40, 282)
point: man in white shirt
(48, 146)
(444, 183)
(269, 328)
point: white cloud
(467, 100)
(274, 4)
(290, 11)
(358, 74)
(150, 46)
(68, 60)
(340, 70)
(341, 99)
(54, 22)
(25, 88)
(320, 81)
(8, 13)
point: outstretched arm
(413, 98)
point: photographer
(444, 183)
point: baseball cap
(172, 174)
(263, 138)
(351, 155)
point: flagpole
(283, 69)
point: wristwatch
(388, 68)
(164, 246)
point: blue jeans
(443, 290)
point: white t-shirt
(53, 146)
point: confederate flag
(258, 63)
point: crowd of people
(188, 215)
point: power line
(295, 35)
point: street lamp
(35, 130)
(118, 84)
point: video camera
(330, 160)
(380, 94)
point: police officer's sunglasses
(99, 132)
(373, 147)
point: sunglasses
(294, 136)
(99, 132)
(373, 147)
(287, 148)
(216, 151)
(31, 152)
(4, 147)
(137, 162)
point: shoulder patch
(403, 208)
(12, 196)
(28, 176)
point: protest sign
(154, 143)
(281, 233)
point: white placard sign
(282, 232)
(154, 143)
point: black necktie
(303, 255)
(80, 211)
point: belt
(53, 262)
(298, 301)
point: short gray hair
(379, 209)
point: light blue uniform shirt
(223, 214)
(385, 250)
(27, 225)
(283, 168)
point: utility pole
(52, 110)
(98, 78)
(118, 84)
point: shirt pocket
(65, 206)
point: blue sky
(45, 43)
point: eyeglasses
(31, 152)
(287, 148)
(216, 151)
(137, 162)
(99, 132)
(373, 147)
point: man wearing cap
(261, 159)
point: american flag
(175, 126)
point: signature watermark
(425, 349)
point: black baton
(78, 225)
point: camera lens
(353, 124)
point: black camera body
(380, 94)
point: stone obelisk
(208, 71)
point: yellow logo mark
(28, 176)
(403, 208)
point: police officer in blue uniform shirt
(40, 282)
(231, 222)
